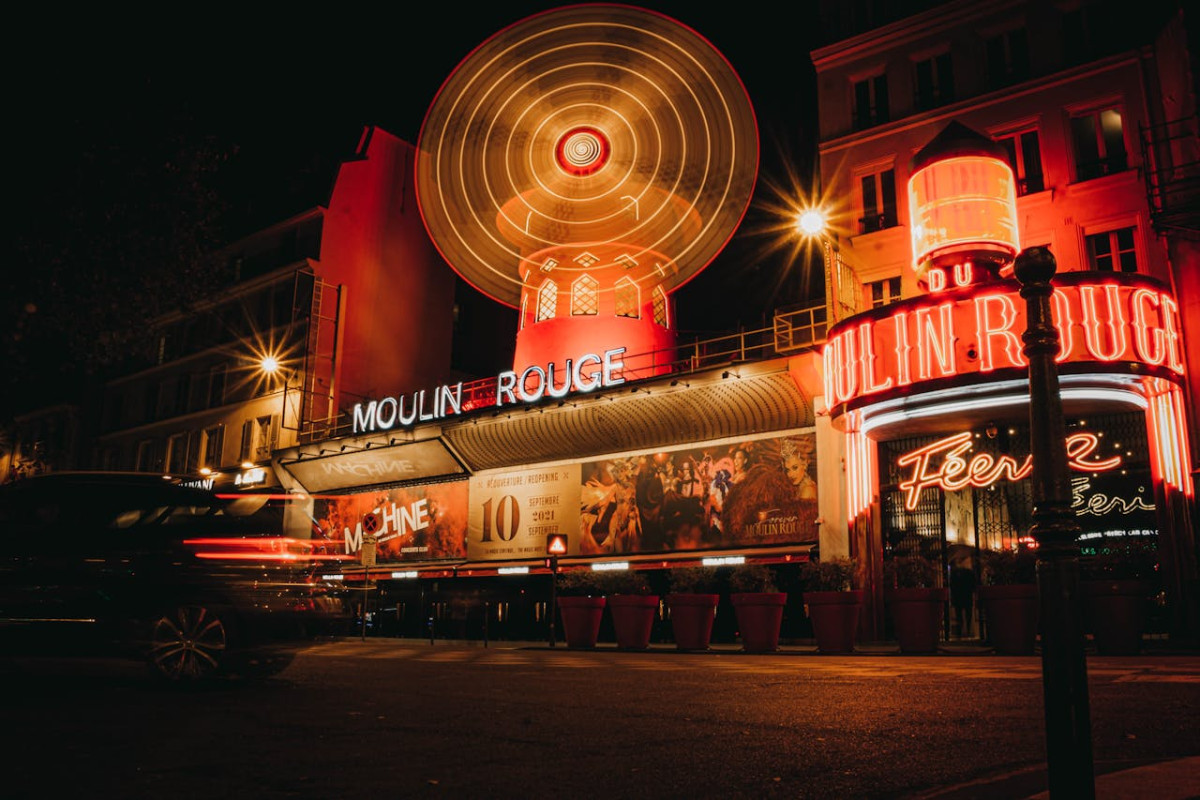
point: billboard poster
(413, 523)
(745, 493)
(512, 512)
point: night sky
(108, 113)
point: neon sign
(584, 374)
(1099, 504)
(977, 330)
(955, 471)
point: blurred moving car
(195, 584)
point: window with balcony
(878, 196)
(627, 298)
(870, 102)
(934, 82)
(177, 452)
(149, 457)
(1113, 251)
(883, 292)
(216, 386)
(585, 300)
(258, 438)
(1025, 158)
(1007, 58)
(1098, 138)
(547, 301)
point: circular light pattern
(582, 151)
(606, 131)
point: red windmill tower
(579, 166)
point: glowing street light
(269, 364)
(811, 222)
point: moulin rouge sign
(977, 329)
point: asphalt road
(388, 719)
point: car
(197, 585)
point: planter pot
(581, 620)
(692, 619)
(1116, 610)
(633, 619)
(917, 618)
(759, 615)
(834, 618)
(1012, 617)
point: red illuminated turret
(962, 206)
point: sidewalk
(1173, 779)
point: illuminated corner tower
(963, 208)
(579, 166)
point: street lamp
(1064, 666)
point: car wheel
(188, 644)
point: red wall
(398, 293)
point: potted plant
(693, 605)
(581, 605)
(758, 606)
(918, 603)
(1010, 600)
(831, 603)
(632, 604)
(1116, 585)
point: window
(1007, 58)
(547, 301)
(1025, 158)
(1099, 142)
(149, 456)
(934, 82)
(884, 291)
(626, 298)
(659, 298)
(878, 201)
(258, 438)
(584, 296)
(214, 443)
(1112, 251)
(216, 386)
(177, 451)
(870, 102)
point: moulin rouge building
(891, 420)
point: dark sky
(102, 102)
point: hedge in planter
(918, 603)
(1010, 600)
(632, 604)
(758, 606)
(831, 604)
(581, 606)
(693, 605)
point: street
(402, 718)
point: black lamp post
(1064, 666)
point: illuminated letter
(364, 420)
(379, 415)
(424, 415)
(1091, 322)
(1060, 314)
(867, 348)
(541, 384)
(935, 340)
(577, 374)
(1080, 446)
(1170, 320)
(936, 279)
(845, 377)
(1157, 353)
(452, 402)
(411, 416)
(903, 348)
(566, 387)
(985, 331)
(613, 362)
(505, 382)
(963, 274)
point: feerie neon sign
(978, 330)
(955, 471)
